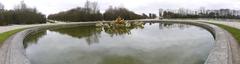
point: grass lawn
(5, 35)
(234, 31)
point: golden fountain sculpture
(119, 22)
(119, 26)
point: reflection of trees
(115, 59)
(117, 31)
(120, 30)
(172, 25)
(92, 34)
(89, 32)
(33, 37)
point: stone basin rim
(223, 52)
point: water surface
(153, 43)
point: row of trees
(152, 16)
(113, 13)
(211, 15)
(76, 15)
(168, 14)
(21, 14)
(91, 12)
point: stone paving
(13, 27)
(12, 51)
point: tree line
(213, 14)
(21, 14)
(91, 12)
(112, 13)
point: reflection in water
(120, 60)
(33, 38)
(152, 43)
(171, 25)
(89, 33)
(121, 30)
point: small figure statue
(119, 20)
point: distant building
(234, 12)
(224, 12)
(238, 12)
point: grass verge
(6, 35)
(234, 31)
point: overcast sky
(138, 6)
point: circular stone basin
(152, 43)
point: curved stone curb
(12, 51)
(225, 50)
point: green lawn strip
(6, 35)
(234, 31)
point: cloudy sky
(139, 6)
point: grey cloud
(140, 6)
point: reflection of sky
(151, 45)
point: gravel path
(13, 27)
(231, 24)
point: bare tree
(91, 7)
(87, 6)
(21, 6)
(1, 6)
(94, 7)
